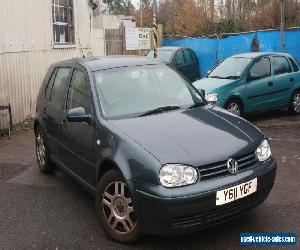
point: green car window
(281, 65)
(262, 68)
(230, 68)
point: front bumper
(161, 215)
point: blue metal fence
(212, 51)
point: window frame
(294, 63)
(69, 86)
(63, 107)
(70, 24)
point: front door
(79, 137)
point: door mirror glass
(253, 76)
(78, 115)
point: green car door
(259, 86)
(283, 80)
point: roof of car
(257, 54)
(170, 48)
(110, 62)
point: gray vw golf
(157, 157)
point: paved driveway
(54, 212)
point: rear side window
(188, 56)
(59, 87)
(295, 65)
(262, 68)
(79, 92)
(281, 65)
(179, 57)
(50, 84)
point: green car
(254, 82)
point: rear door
(259, 92)
(284, 80)
(79, 137)
(53, 112)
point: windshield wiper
(196, 105)
(160, 110)
(231, 77)
(218, 77)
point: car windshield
(230, 68)
(163, 55)
(139, 90)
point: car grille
(222, 213)
(219, 169)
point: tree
(120, 7)
(147, 14)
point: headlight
(263, 152)
(176, 175)
(212, 97)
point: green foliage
(121, 7)
(229, 26)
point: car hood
(196, 137)
(210, 84)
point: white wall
(27, 50)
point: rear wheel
(115, 208)
(295, 103)
(235, 107)
(42, 153)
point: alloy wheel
(234, 108)
(40, 149)
(118, 208)
(296, 103)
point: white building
(36, 33)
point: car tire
(234, 106)
(45, 164)
(115, 208)
(295, 103)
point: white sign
(137, 38)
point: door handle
(270, 84)
(64, 123)
(292, 79)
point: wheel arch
(237, 98)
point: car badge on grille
(232, 166)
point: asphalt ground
(55, 212)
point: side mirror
(253, 76)
(78, 115)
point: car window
(281, 65)
(262, 68)
(59, 87)
(162, 54)
(50, 84)
(79, 92)
(188, 56)
(131, 91)
(230, 68)
(179, 57)
(295, 65)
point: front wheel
(295, 103)
(234, 107)
(115, 208)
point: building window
(63, 23)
